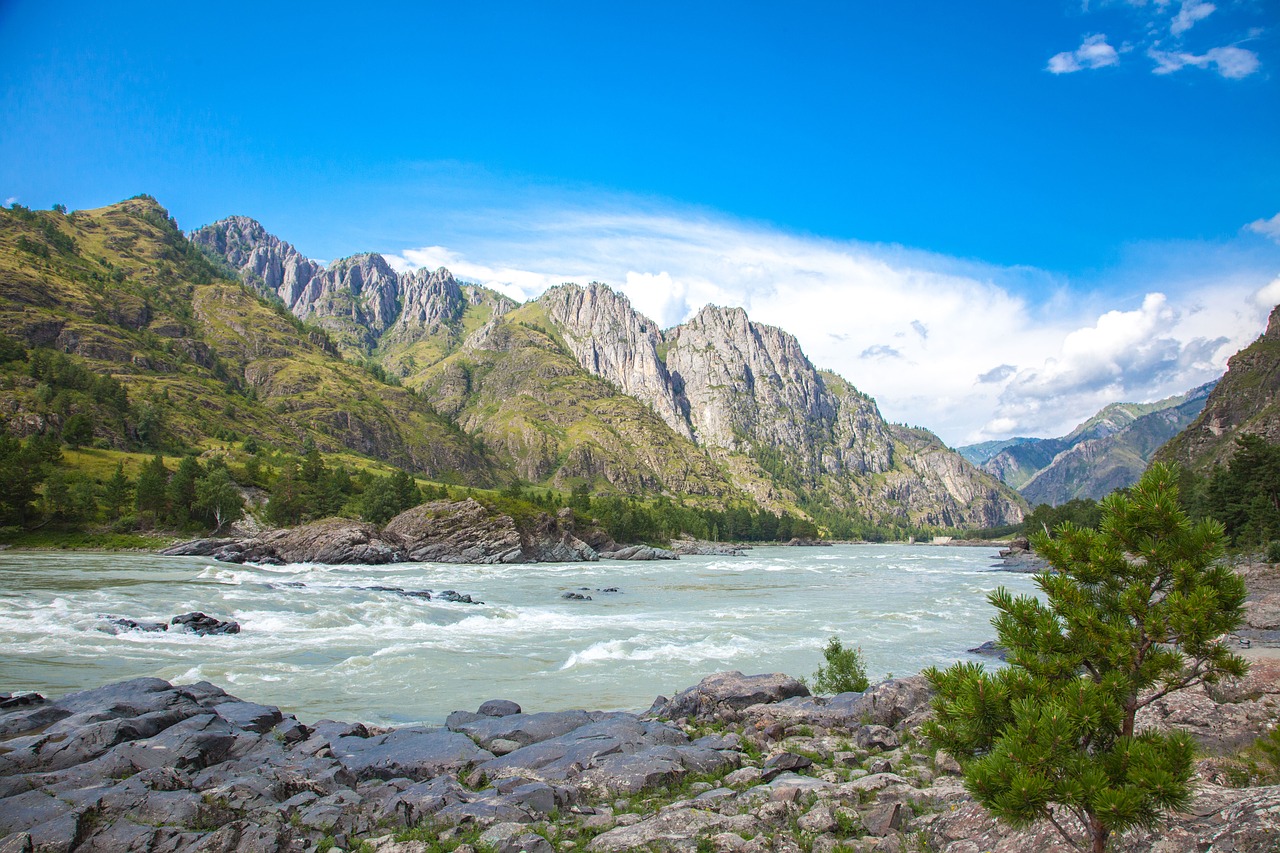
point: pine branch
(1048, 812)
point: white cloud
(10, 201)
(935, 340)
(1094, 52)
(1191, 12)
(1267, 227)
(1234, 63)
(1268, 297)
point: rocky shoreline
(735, 763)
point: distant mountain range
(231, 331)
(1108, 451)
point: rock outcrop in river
(463, 531)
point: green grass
(57, 539)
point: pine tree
(181, 491)
(1132, 611)
(150, 498)
(116, 492)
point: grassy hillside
(515, 385)
(182, 358)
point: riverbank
(735, 763)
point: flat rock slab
(731, 692)
(412, 752)
(524, 729)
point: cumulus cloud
(1123, 355)
(918, 331)
(1191, 12)
(1093, 52)
(1233, 63)
(1267, 227)
(1269, 296)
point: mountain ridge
(1107, 451)
(742, 393)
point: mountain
(578, 386)
(1107, 452)
(411, 321)
(1095, 467)
(981, 452)
(1244, 402)
(123, 294)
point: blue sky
(992, 216)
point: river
(319, 642)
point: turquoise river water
(319, 642)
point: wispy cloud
(1162, 35)
(1093, 52)
(1191, 12)
(1267, 227)
(1234, 63)
(972, 351)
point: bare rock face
(468, 532)
(263, 259)
(333, 541)
(430, 299)
(456, 532)
(747, 382)
(750, 388)
(610, 340)
(357, 299)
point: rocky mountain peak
(262, 259)
(1273, 324)
(747, 382)
(611, 340)
(429, 298)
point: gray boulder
(726, 693)
(524, 729)
(413, 752)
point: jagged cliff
(412, 320)
(746, 390)
(579, 386)
(1244, 402)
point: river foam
(363, 642)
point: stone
(818, 820)
(498, 708)
(670, 826)
(413, 752)
(894, 702)
(875, 737)
(201, 625)
(883, 819)
(524, 729)
(744, 777)
(730, 692)
(250, 716)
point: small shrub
(845, 671)
(1273, 551)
